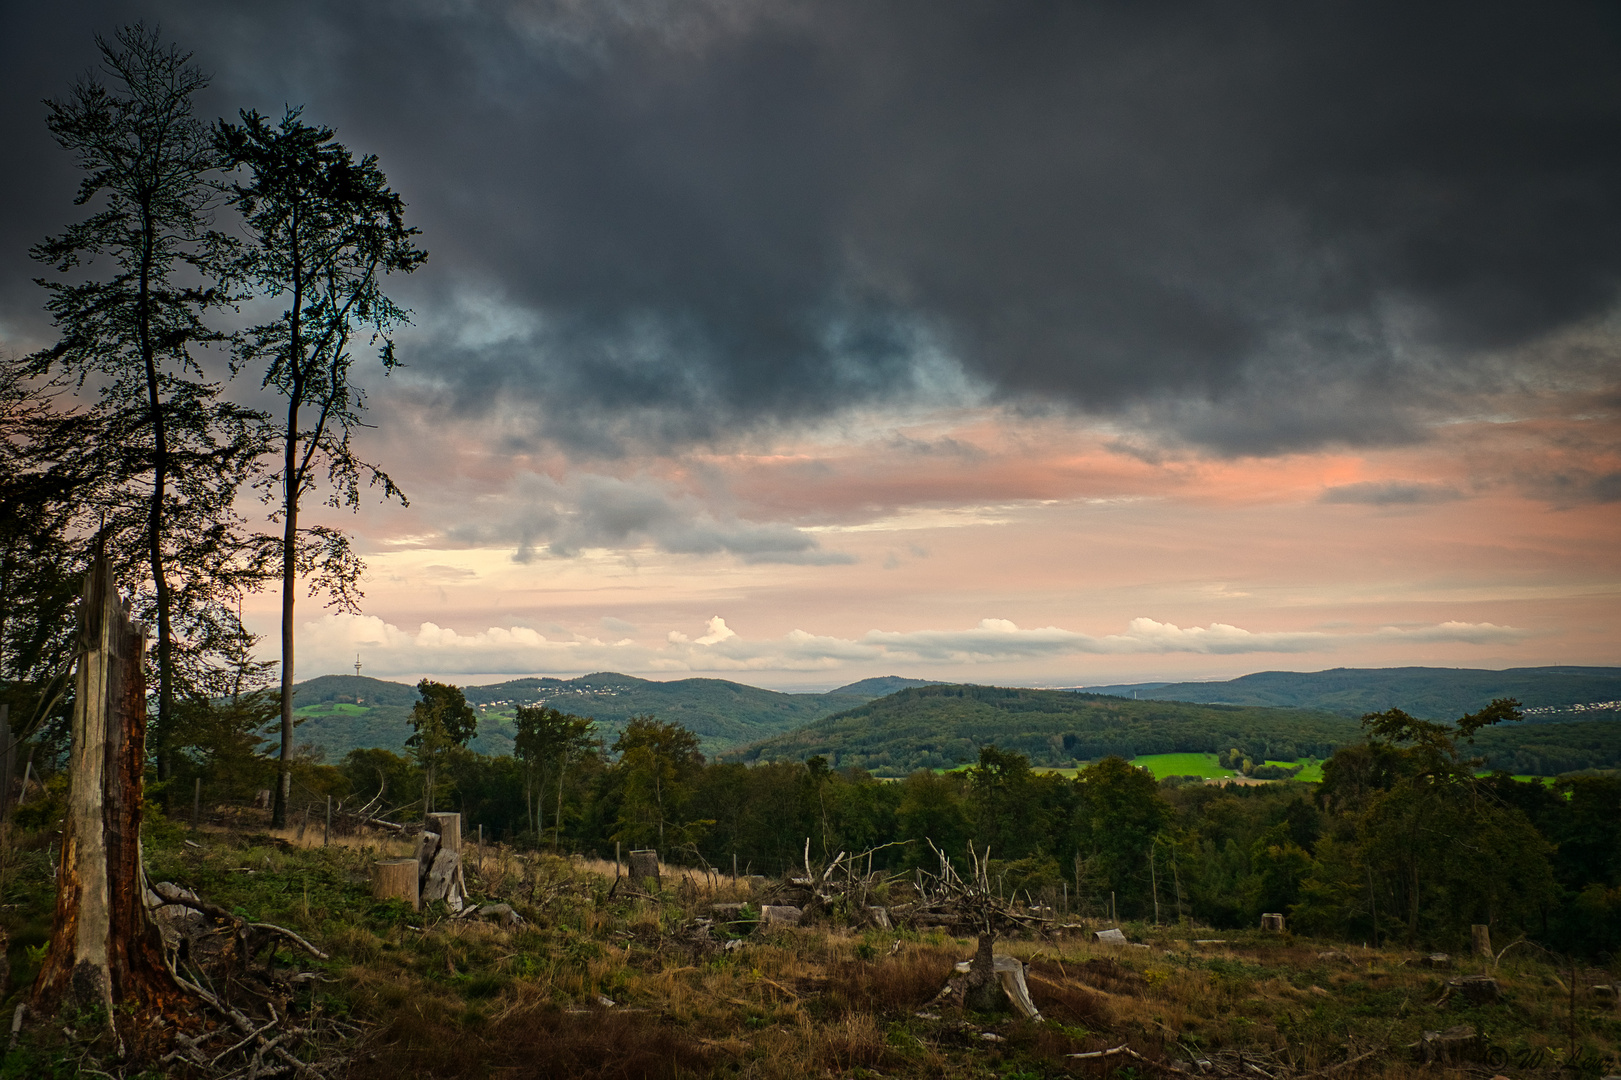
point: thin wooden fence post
(8, 760)
(196, 801)
(326, 836)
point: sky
(1031, 343)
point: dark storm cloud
(1251, 227)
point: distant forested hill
(1429, 693)
(939, 726)
(882, 686)
(723, 714)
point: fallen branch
(1128, 1052)
(173, 894)
(1346, 1064)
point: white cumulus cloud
(330, 644)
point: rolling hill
(939, 726)
(1428, 693)
(342, 712)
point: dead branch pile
(973, 905)
(230, 964)
(846, 890)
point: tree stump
(396, 879)
(441, 863)
(644, 869)
(106, 953)
(1272, 922)
(1480, 940)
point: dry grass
(450, 998)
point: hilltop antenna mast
(357, 665)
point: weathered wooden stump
(1009, 971)
(644, 869)
(440, 861)
(1480, 940)
(396, 879)
(1272, 922)
(1109, 937)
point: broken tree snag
(1480, 940)
(106, 953)
(441, 861)
(396, 879)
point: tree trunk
(105, 952)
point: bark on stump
(982, 990)
(106, 953)
(1480, 940)
(396, 879)
(644, 868)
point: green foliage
(547, 741)
(658, 763)
(999, 787)
(442, 720)
(932, 808)
(1439, 848)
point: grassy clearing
(599, 986)
(1164, 765)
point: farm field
(1164, 765)
(1202, 765)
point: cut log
(1109, 937)
(780, 915)
(1452, 1046)
(1477, 989)
(106, 953)
(1480, 940)
(644, 870)
(396, 879)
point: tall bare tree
(324, 230)
(172, 453)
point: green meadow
(1163, 765)
(1202, 765)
